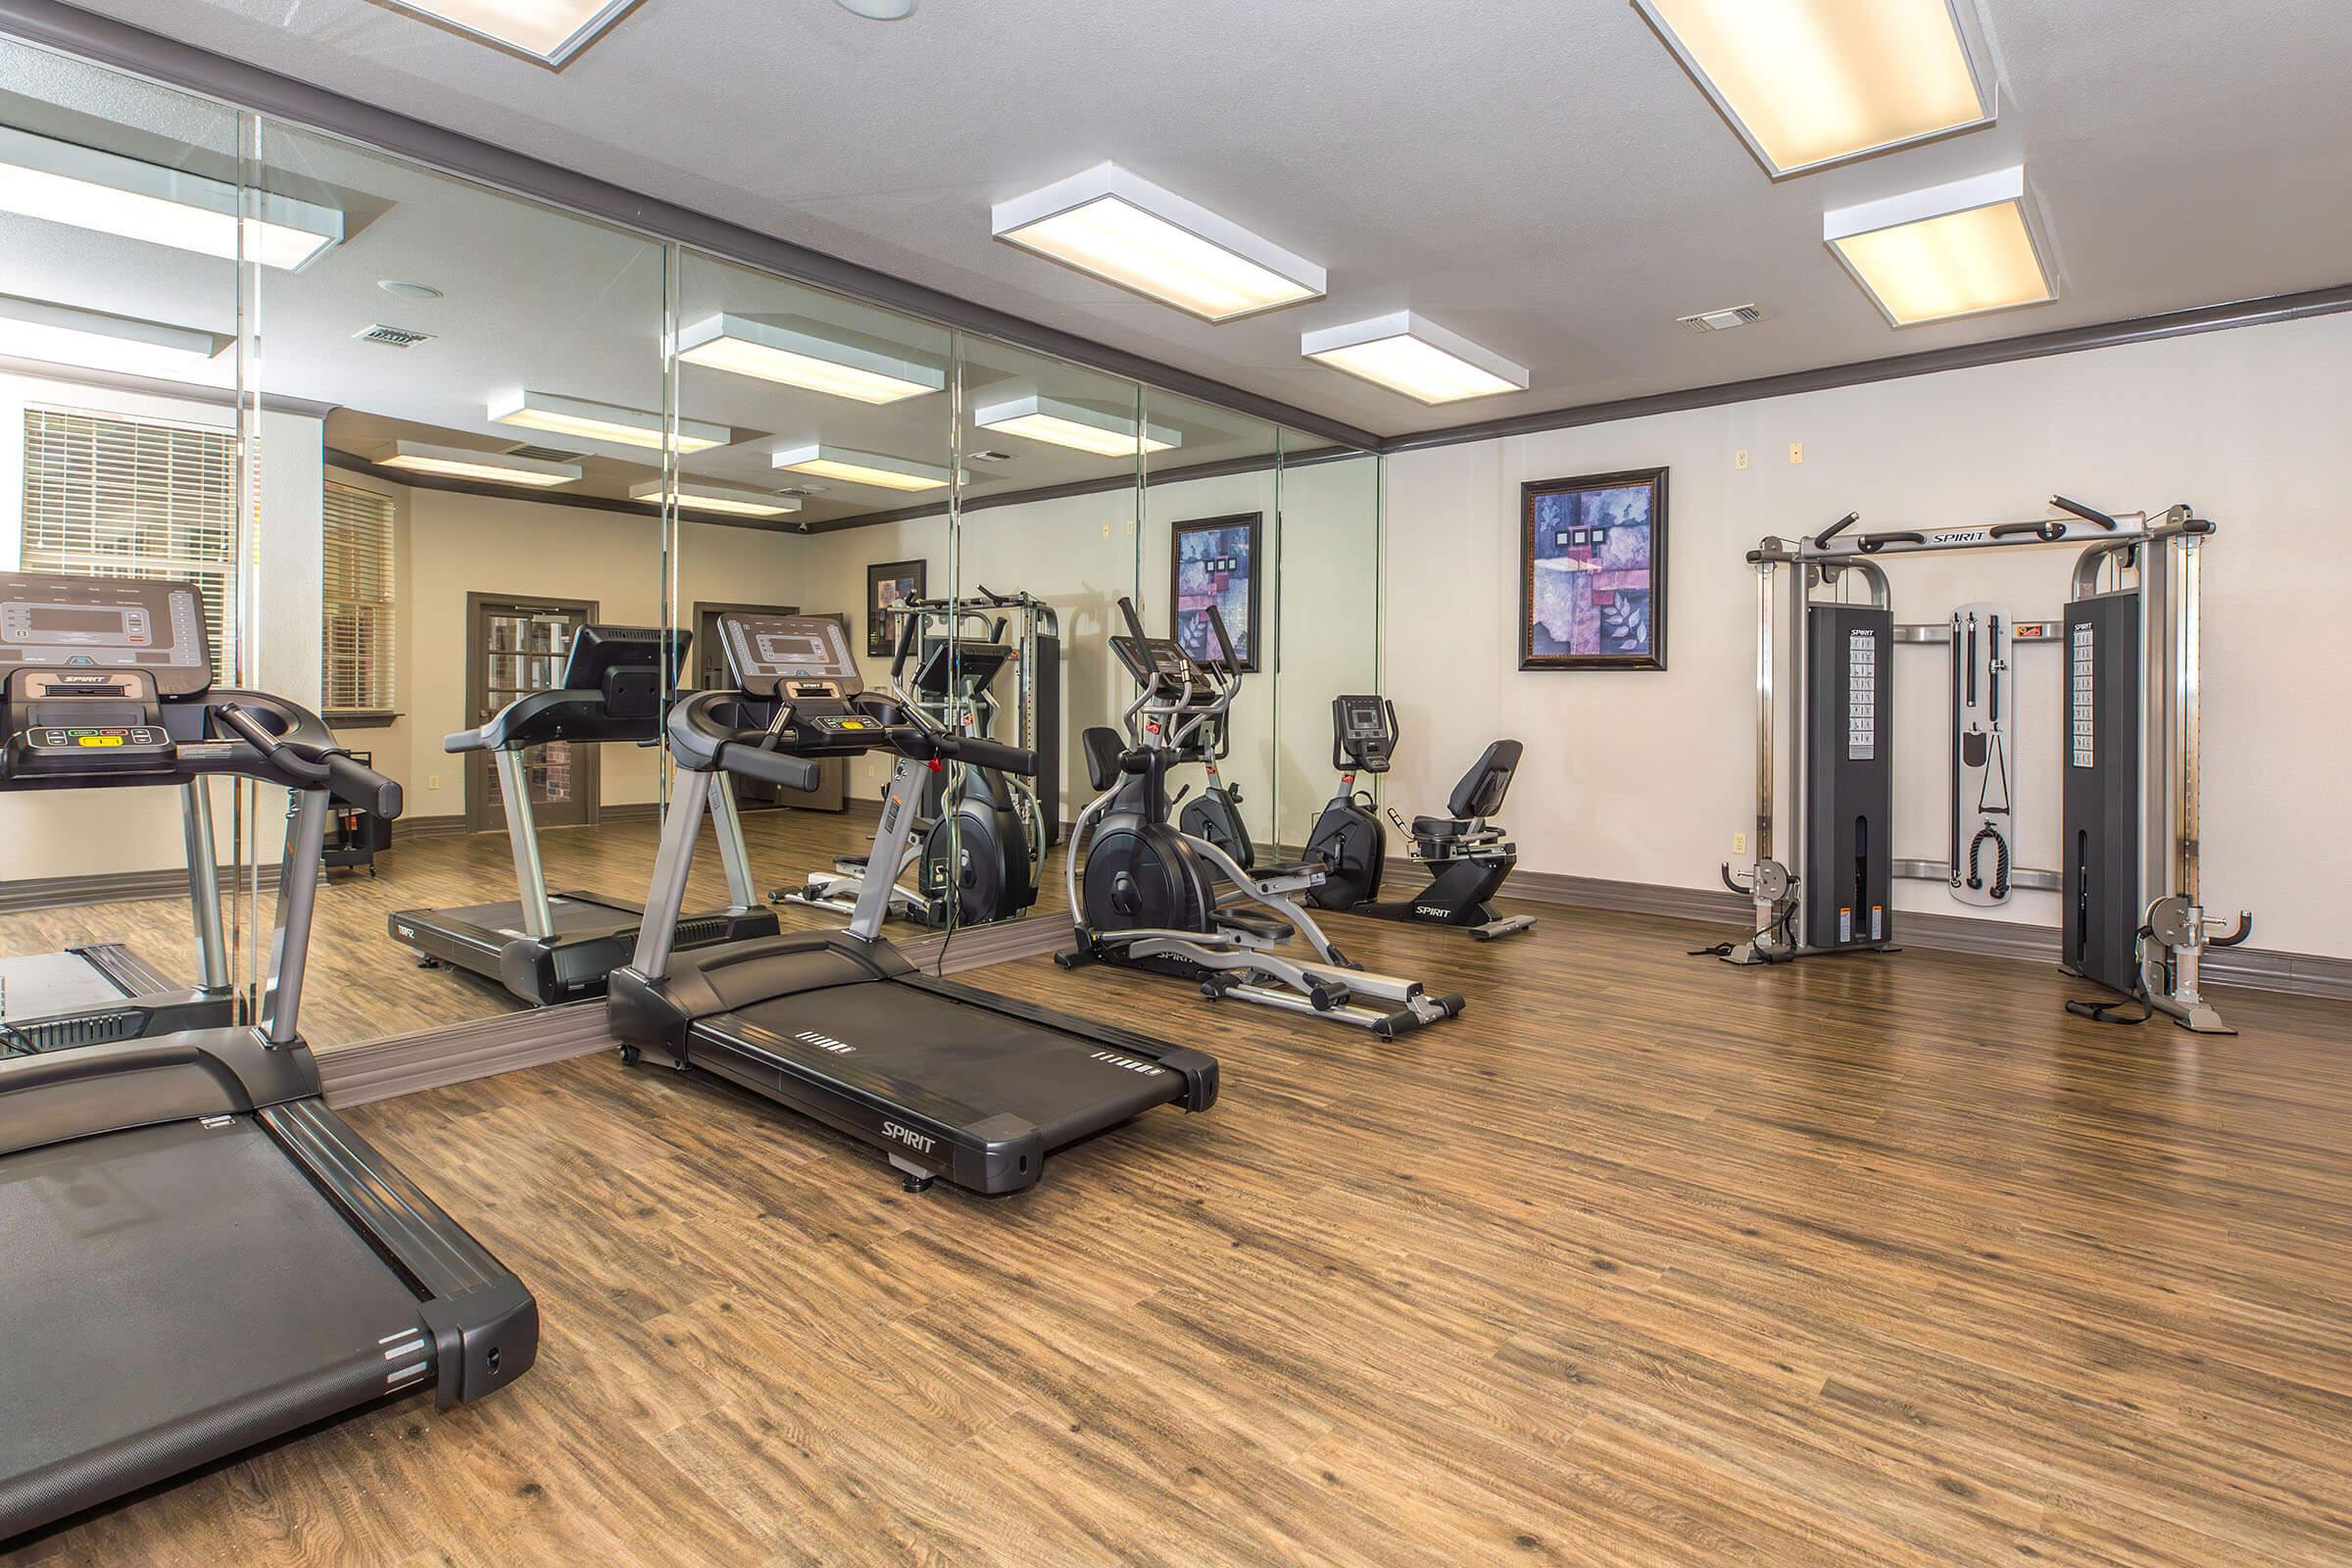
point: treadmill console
(794, 658)
(86, 664)
(628, 664)
(1363, 733)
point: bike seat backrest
(1482, 789)
(1103, 749)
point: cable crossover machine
(2132, 916)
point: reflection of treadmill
(102, 991)
(200, 1256)
(559, 947)
(946, 1080)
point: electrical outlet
(1739, 459)
(433, 781)
(1796, 452)
(1739, 843)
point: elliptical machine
(979, 832)
(1466, 855)
(1215, 813)
(1151, 897)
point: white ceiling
(1540, 176)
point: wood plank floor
(1646, 1260)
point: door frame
(587, 771)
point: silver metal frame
(2162, 554)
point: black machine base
(593, 935)
(947, 1081)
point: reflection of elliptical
(973, 819)
(1467, 858)
(1158, 898)
(1215, 813)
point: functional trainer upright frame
(2130, 886)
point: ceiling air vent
(545, 454)
(393, 337)
(988, 457)
(1721, 320)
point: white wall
(1646, 777)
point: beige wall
(1646, 777)
(460, 544)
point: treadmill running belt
(956, 1064)
(42, 985)
(566, 912)
(175, 1294)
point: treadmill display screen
(784, 648)
(56, 618)
(765, 650)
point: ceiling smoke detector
(392, 337)
(408, 291)
(878, 10)
(1721, 320)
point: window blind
(359, 602)
(111, 497)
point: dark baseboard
(113, 887)
(2300, 974)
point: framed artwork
(889, 583)
(1215, 561)
(1592, 572)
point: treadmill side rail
(485, 1323)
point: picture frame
(1592, 571)
(1218, 561)
(889, 583)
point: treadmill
(102, 990)
(201, 1256)
(944, 1079)
(547, 948)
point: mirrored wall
(454, 469)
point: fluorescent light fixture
(1131, 232)
(690, 496)
(1812, 82)
(550, 31)
(67, 334)
(1949, 251)
(1084, 429)
(463, 462)
(1418, 357)
(66, 183)
(601, 422)
(818, 359)
(861, 468)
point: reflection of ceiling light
(550, 31)
(462, 463)
(408, 291)
(57, 181)
(1067, 425)
(799, 354)
(65, 334)
(861, 468)
(1108, 222)
(694, 497)
(1808, 82)
(601, 422)
(1417, 358)
(1953, 250)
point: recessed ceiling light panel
(549, 31)
(1812, 82)
(1129, 231)
(694, 496)
(1074, 426)
(67, 334)
(462, 463)
(807, 355)
(1962, 249)
(875, 469)
(66, 183)
(601, 422)
(1407, 354)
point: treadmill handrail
(542, 718)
